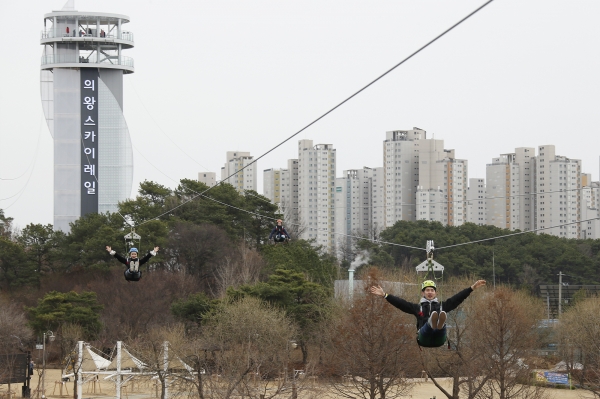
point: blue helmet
(133, 250)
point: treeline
(523, 260)
(196, 237)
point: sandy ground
(146, 389)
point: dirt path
(147, 389)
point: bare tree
(242, 266)
(130, 309)
(579, 330)
(70, 335)
(14, 336)
(507, 323)
(373, 349)
(241, 349)
(463, 363)
(293, 225)
(530, 278)
(196, 249)
(158, 350)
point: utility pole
(560, 274)
(494, 267)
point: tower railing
(49, 34)
(74, 59)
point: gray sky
(243, 75)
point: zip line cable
(269, 217)
(416, 204)
(22, 174)
(516, 234)
(37, 146)
(202, 194)
(356, 237)
(337, 106)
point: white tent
(128, 361)
(93, 361)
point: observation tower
(82, 70)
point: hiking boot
(441, 320)
(433, 319)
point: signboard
(89, 140)
(13, 368)
(553, 378)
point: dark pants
(430, 338)
(132, 276)
(280, 238)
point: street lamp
(51, 338)
(293, 345)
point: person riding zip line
(133, 263)
(278, 234)
(430, 312)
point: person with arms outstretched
(278, 234)
(133, 263)
(430, 312)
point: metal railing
(49, 34)
(74, 59)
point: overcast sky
(217, 76)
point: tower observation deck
(81, 76)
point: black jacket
(278, 230)
(126, 261)
(423, 310)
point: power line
(337, 106)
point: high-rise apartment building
(509, 190)
(502, 204)
(353, 207)
(246, 178)
(289, 197)
(476, 209)
(82, 70)
(272, 184)
(208, 178)
(281, 187)
(401, 174)
(377, 200)
(316, 185)
(457, 172)
(442, 188)
(590, 207)
(558, 187)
